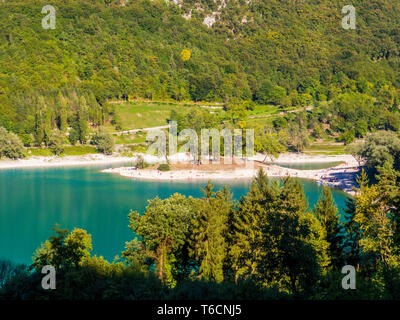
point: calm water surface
(32, 201)
(308, 165)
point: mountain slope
(119, 48)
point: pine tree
(352, 234)
(376, 224)
(389, 190)
(247, 228)
(327, 214)
(209, 243)
(83, 120)
(294, 249)
(62, 106)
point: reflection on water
(32, 201)
(308, 166)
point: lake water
(32, 201)
(308, 165)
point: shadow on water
(32, 201)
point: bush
(269, 93)
(140, 163)
(73, 136)
(164, 167)
(104, 142)
(347, 137)
(10, 145)
(56, 142)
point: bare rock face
(209, 20)
(211, 10)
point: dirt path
(137, 130)
(282, 113)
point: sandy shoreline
(341, 176)
(44, 162)
(86, 160)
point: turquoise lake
(308, 165)
(32, 201)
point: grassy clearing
(138, 116)
(264, 110)
(39, 152)
(131, 149)
(79, 150)
(260, 121)
(332, 149)
(139, 137)
(68, 151)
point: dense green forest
(289, 53)
(268, 245)
(343, 84)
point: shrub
(164, 167)
(140, 163)
(56, 142)
(104, 142)
(347, 137)
(10, 145)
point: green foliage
(274, 240)
(63, 250)
(10, 145)
(295, 250)
(298, 138)
(270, 94)
(245, 251)
(379, 148)
(163, 230)
(277, 64)
(327, 214)
(164, 167)
(268, 143)
(208, 236)
(56, 142)
(347, 137)
(268, 246)
(104, 142)
(140, 163)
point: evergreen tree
(56, 142)
(247, 227)
(83, 120)
(352, 234)
(62, 106)
(209, 243)
(376, 225)
(294, 249)
(327, 214)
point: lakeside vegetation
(106, 51)
(290, 72)
(268, 245)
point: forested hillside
(279, 52)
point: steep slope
(119, 48)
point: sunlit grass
(68, 151)
(138, 137)
(139, 116)
(332, 149)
